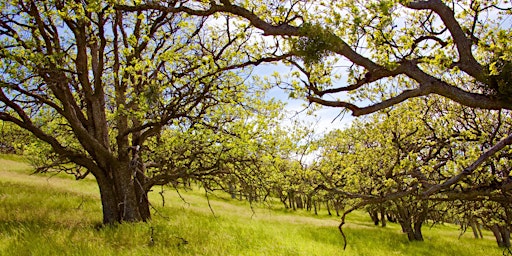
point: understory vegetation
(40, 214)
(172, 117)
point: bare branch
(359, 111)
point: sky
(324, 119)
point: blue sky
(324, 119)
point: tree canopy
(380, 53)
(145, 93)
(101, 86)
(419, 45)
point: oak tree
(99, 85)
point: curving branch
(462, 42)
(428, 83)
(470, 169)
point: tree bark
(375, 217)
(474, 227)
(291, 199)
(407, 228)
(299, 202)
(505, 236)
(479, 227)
(123, 198)
(127, 196)
(413, 230)
(142, 197)
(497, 234)
(502, 235)
(337, 204)
(383, 216)
(108, 201)
(418, 236)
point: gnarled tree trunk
(502, 235)
(411, 223)
(123, 197)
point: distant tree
(13, 139)
(378, 163)
(397, 160)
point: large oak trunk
(123, 197)
(108, 202)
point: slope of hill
(55, 215)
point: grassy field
(55, 215)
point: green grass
(43, 215)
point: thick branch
(428, 85)
(269, 29)
(359, 111)
(470, 169)
(463, 43)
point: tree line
(143, 93)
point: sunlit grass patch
(41, 215)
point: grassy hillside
(55, 215)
